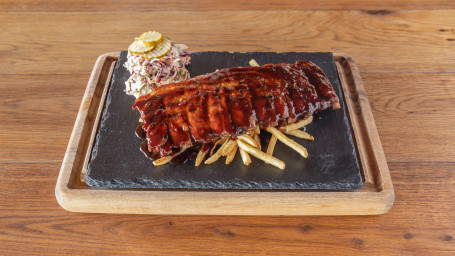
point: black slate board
(117, 162)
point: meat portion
(231, 102)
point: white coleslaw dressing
(147, 75)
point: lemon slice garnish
(138, 47)
(160, 50)
(151, 38)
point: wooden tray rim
(376, 196)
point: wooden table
(406, 58)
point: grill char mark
(177, 120)
(321, 83)
(198, 118)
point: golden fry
(200, 157)
(216, 143)
(298, 125)
(167, 159)
(245, 157)
(232, 154)
(261, 155)
(300, 134)
(258, 130)
(229, 147)
(253, 63)
(257, 140)
(271, 145)
(292, 144)
(247, 139)
(217, 155)
(163, 160)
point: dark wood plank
(419, 223)
(204, 5)
(60, 43)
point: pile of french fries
(249, 144)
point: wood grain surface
(204, 5)
(406, 58)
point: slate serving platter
(117, 162)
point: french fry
(253, 63)
(217, 155)
(247, 139)
(163, 160)
(271, 145)
(200, 157)
(229, 147)
(258, 129)
(257, 140)
(298, 125)
(222, 140)
(245, 157)
(232, 154)
(292, 144)
(300, 134)
(167, 159)
(261, 155)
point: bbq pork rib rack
(231, 102)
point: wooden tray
(376, 196)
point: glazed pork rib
(231, 102)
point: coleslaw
(146, 75)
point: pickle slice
(138, 47)
(160, 50)
(151, 38)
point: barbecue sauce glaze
(230, 102)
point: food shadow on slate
(117, 161)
